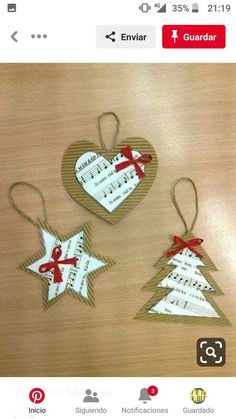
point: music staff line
(116, 184)
(195, 308)
(185, 281)
(187, 252)
(73, 270)
(92, 173)
(49, 275)
(99, 168)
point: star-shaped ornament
(66, 265)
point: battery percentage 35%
(180, 8)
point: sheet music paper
(187, 282)
(73, 277)
(99, 179)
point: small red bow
(127, 152)
(182, 244)
(56, 254)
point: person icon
(95, 398)
(90, 398)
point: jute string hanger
(21, 212)
(177, 207)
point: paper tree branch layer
(182, 289)
(187, 282)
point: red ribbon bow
(56, 254)
(127, 152)
(182, 244)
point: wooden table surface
(188, 112)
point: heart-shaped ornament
(109, 183)
(98, 177)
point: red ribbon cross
(56, 254)
(127, 152)
(190, 244)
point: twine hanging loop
(176, 205)
(115, 135)
(22, 213)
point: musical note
(113, 187)
(94, 171)
(184, 281)
(194, 307)
(98, 177)
(187, 285)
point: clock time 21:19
(219, 8)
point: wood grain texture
(188, 113)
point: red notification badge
(152, 391)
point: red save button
(193, 36)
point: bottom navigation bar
(116, 397)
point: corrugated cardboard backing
(75, 190)
(160, 293)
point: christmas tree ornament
(183, 285)
(109, 182)
(66, 265)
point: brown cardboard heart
(86, 169)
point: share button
(126, 36)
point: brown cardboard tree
(183, 286)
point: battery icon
(195, 8)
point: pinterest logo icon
(37, 395)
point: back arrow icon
(13, 36)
